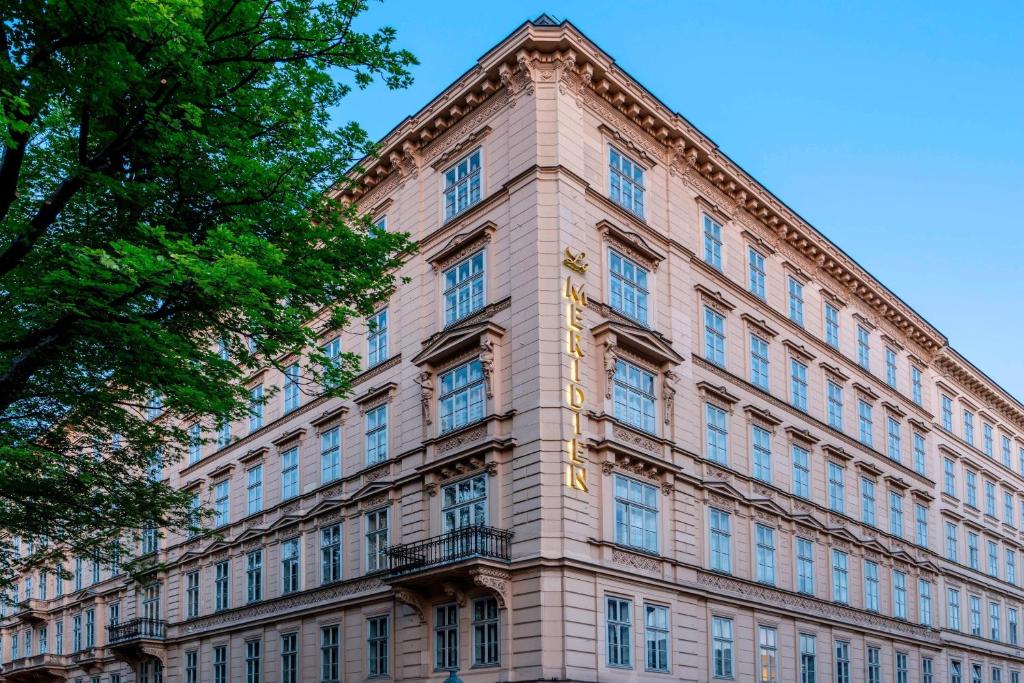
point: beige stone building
(631, 419)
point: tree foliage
(165, 188)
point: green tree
(166, 188)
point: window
(865, 423)
(618, 617)
(290, 566)
(628, 284)
(949, 477)
(808, 659)
(626, 179)
(986, 440)
(840, 588)
(762, 442)
(290, 658)
(1011, 566)
(192, 595)
(895, 514)
(192, 666)
(874, 665)
(798, 384)
(330, 654)
(801, 472)
(150, 542)
(990, 499)
(462, 396)
(976, 673)
(332, 354)
(758, 362)
(330, 554)
(254, 489)
(220, 664)
(464, 288)
(969, 427)
(993, 558)
(921, 523)
(446, 637)
(765, 539)
(464, 503)
(255, 408)
(717, 434)
(634, 395)
(870, 586)
(290, 473)
(947, 413)
(656, 638)
(955, 672)
(892, 439)
(714, 337)
(254, 576)
(252, 661)
(462, 184)
(899, 595)
(376, 539)
(90, 629)
(975, 611)
(832, 326)
(804, 566)
(486, 643)
(221, 500)
(835, 405)
(377, 640)
(721, 540)
(768, 655)
(377, 338)
(1011, 625)
(867, 501)
(224, 435)
(796, 301)
(755, 261)
(890, 367)
(916, 392)
(951, 542)
(919, 454)
(927, 673)
(292, 395)
(842, 661)
(722, 647)
(636, 514)
(836, 488)
(902, 668)
(924, 602)
(330, 455)
(1006, 451)
(972, 550)
(195, 443)
(58, 639)
(377, 434)
(993, 620)
(712, 242)
(222, 573)
(863, 347)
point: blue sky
(896, 129)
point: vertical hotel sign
(575, 304)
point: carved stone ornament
(426, 382)
(487, 365)
(455, 593)
(497, 581)
(412, 599)
(609, 366)
(668, 394)
(641, 562)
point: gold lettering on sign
(575, 397)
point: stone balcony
(137, 640)
(36, 669)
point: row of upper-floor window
(82, 629)
(990, 435)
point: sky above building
(896, 129)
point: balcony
(31, 611)
(454, 547)
(44, 667)
(137, 640)
(89, 659)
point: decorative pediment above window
(865, 391)
(645, 343)
(289, 436)
(897, 482)
(798, 350)
(630, 245)
(717, 394)
(722, 494)
(249, 535)
(923, 496)
(196, 483)
(254, 454)
(762, 416)
(759, 325)
(893, 409)
(375, 396)
(714, 299)
(949, 390)
(757, 243)
(464, 146)
(868, 468)
(221, 471)
(866, 322)
(809, 520)
(840, 533)
(829, 296)
(948, 451)
(711, 208)
(770, 506)
(329, 416)
(837, 452)
(284, 521)
(835, 371)
(802, 435)
(462, 245)
(627, 145)
(443, 346)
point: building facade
(631, 418)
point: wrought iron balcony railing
(461, 544)
(136, 629)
